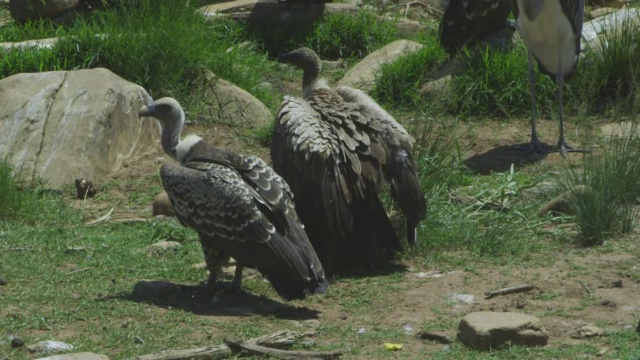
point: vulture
(468, 21)
(239, 206)
(337, 149)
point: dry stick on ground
(281, 354)
(280, 339)
(509, 290)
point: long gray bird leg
(535, 141)
(562, 146)
(236, 283)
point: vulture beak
(283, 58)
(148, 110)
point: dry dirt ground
(577, 288)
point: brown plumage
(239, 206)
(337, 149)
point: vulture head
(171, 116)
(307, 60)
(167, 110)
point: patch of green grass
(343, 36)
(399, 82)
(606, 189)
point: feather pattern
(337, 149)
(240, 207)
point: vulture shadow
(362, 272)
(499, 159)
(199, 300)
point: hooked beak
(148, 110)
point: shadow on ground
(201, 300)
(499, 159)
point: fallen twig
(509, 290)
(281, 354)
(101, 219)
(279, 339)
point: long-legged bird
(551, 29)
(239, 206)
(337, 149)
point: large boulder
(227, 103)
(363, 74)
(64, 125)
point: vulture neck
(171, 142)
(171, 132)
(310, 80)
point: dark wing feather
(466, 21)
(307, 153)
(215, 201)
(399, 168)
(574, 10)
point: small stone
(3, 282)
(602, 351)
(490, 330)
(161, 247)
(608, 303)
(617, 283)
(17, 342)
(138, 340)
(146, 290)
(587, 331)
(162, 205)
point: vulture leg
(214, 259)
(562, 146)
(236, 283)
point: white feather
(185, 145)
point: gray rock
(76, 356)
(49, 346)
(490, 330)
(596, 31)
(3, 281)
(147, 290)
(602, 12)
(64, 125)
(363, 74)
(162, 205)
(228, 103)
(623, 129)
(23, 10)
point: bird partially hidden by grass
(239, 206)
(551, 29)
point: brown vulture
(239, 206)
(337, 149)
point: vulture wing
(215, 201)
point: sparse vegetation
(71, 282)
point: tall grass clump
(605, 190)
(609, 77)
(341, 35)
(160, 45)
(399, 82)
(496, 84)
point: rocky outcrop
(23, 10)
(64, 125)
(362, 75)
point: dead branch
(281, 354)
(509, 290)
(278, 340)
